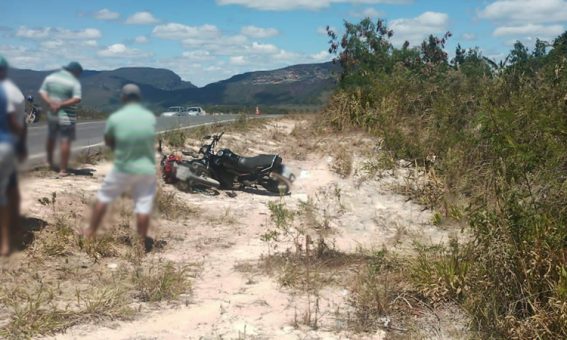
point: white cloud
(369, 12)
(283, 5)
(287, 57)
(529, 30)
(221, 45)
(22, 57)
(52, 44)
(258, 48)
(259, 32)
(57, 33)
(58, 44)
(141, 39)
(416, 29)
(142, 18)
(198, 55)
(106, 14)
(469, 36)
(322, 56)
(121, 51)
(90, 43)
(213, 68)
(530, 11)
(175, 31)
(238, 60)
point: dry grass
(161, 281)
(93, 156)
(66, 280)
(342, 162)
(171, 207)
(57, 240)
(38, 307)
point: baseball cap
(74, 67)
(131, 91)
(3, 63)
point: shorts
(64, 132)
(7, 168)
(142, 187)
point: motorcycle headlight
(221, 153)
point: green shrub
(495, 137)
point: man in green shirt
(62, 92)
(130, 133)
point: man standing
(7, 165)
(130, 133)
(17, 120)
(62, 92)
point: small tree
(363, 49)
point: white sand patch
(230, 304)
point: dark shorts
(58, 131)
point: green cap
(74, 67)
(3, 63)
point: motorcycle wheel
(201, 177)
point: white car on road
(175, 111)
(196, 111)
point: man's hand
(54, 106)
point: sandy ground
(231, 303)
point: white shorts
(7, 167)
(142, 187)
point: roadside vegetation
(61, 280)
(179, 137)
(489, 140)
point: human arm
(109, 134)
(109, 141)
(44, 94)
(55, 106)
(68, 102)
(15, 126)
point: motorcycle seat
(257, 163)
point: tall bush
(498, 132)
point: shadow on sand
(24, 237)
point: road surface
(90, 134)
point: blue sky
(209, 40)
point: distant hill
(300, 84)
(295, 85)
(101, 88)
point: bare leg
(65, 153)
(14, 199)
(5, 230)
(143, 224)
(50, 148)
(98, 214)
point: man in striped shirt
(62, 92)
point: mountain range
(299, 85)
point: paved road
(90, 134)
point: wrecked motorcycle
(224, 169)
